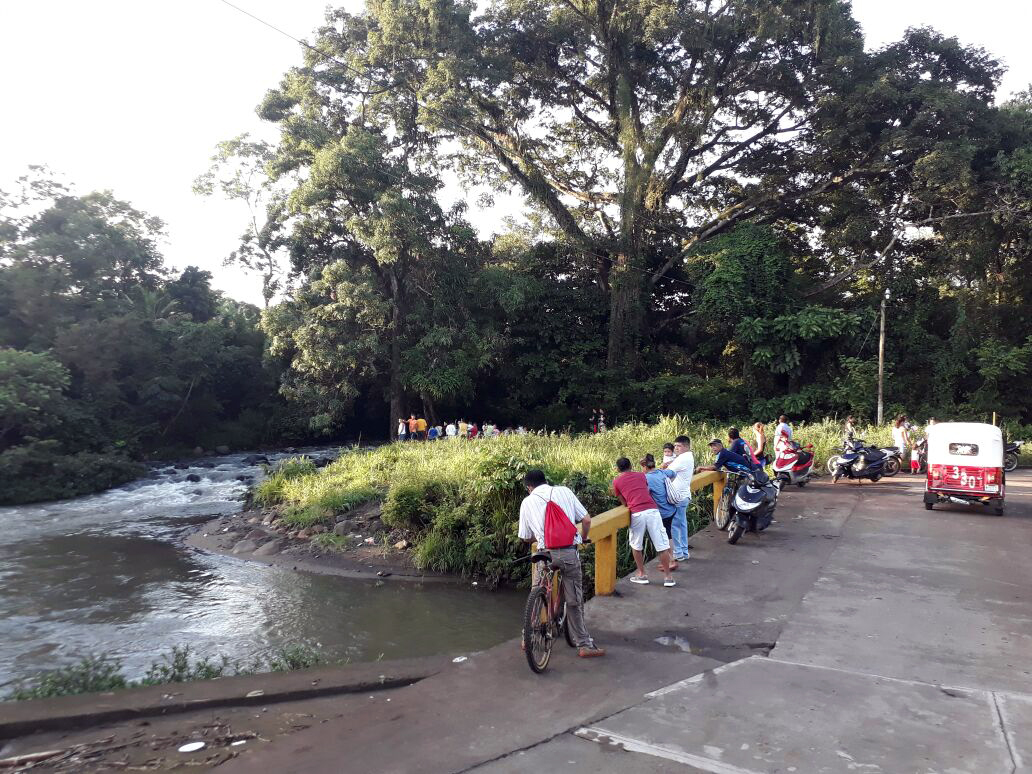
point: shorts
(651, 521)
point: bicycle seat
(541, 556)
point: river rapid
(109, 574)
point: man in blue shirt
(738, 446)
(726, 460)
(656, 480)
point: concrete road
(897, 640)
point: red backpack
(560, 532)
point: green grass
(95, 674)
(460, 499)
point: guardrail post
(605, 565)
(718, 491)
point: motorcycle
(1010, 455)
(893, 457)
(747, 504)
(793, 464)
(860, 462)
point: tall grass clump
(460, 498)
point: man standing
(413, 427)
(421, 429)
(567, 560)
(451, 430)
(657, 481)
(783, 433)
(683, 466)
(633, 490)
(402, 429)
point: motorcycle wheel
(1010, 462)
(875, 477)
(891, 466)
(835, 477)
(736, 532)
(833, 464)
(802, 483)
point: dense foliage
(106, 356)
(717, 197)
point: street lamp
(881, 357)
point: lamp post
(881, 357)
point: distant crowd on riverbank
(418, 429)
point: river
(108, 574)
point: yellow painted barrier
(604, 528)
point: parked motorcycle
(793, 464)
(747, 504)
(893, 457)
(860, 462)
(1010, 455)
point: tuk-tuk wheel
(928, 506)
(999, 510)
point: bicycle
(544, 615)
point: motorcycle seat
(873, 455)
(804, 457)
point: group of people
(418, 429)
(657, 496)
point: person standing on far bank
(567, 560)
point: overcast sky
(133, 95)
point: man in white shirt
(451, 430)
(567, 560)
(683, 465)
(783, 433)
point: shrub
(91, 675)
(38, 471)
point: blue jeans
(679, 528)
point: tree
(238, 172)
(31, 395)
(390, 271)
(639, 126)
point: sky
(133, 95)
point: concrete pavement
(897, 641)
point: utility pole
(881, 358)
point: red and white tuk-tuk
(965, 465)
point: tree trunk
(395, 389)
(626, 313)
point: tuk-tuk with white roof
(965, 465)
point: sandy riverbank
(371, 551)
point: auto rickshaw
(965, 465)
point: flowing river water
(108, 574)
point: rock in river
(223, 449)
(245, 547)
(193, 477)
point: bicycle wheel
(537, 630)
(723, 513)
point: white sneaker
(640, 580)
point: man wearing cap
(726, 459)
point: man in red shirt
(633, 490)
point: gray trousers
(567, 561)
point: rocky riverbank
(359, 544)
